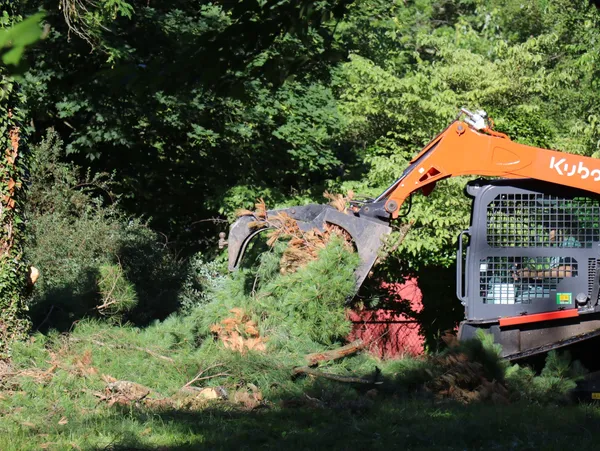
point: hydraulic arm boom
(471, 148)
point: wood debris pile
(127, 393)
(239, 333)
(465, 381)
(122, 392)
(461, 379)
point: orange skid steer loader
(529, 272)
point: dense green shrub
(74, 228)
(200, 275)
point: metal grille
(541, 220)
(592, 262)
(520, 280)
(592, 265)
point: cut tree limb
(334, 377)
(391, 247)
(334, 354)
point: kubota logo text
(570, 170)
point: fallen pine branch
(335, 354)
(122, 346)
(300, 370)
(196, 379)
(199, 376)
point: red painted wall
(392, 334)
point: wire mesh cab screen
(510, 280)
(538, 220)
(531, 249)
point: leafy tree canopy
(200, 107)
(197, 105)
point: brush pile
(302, 246)
(292, 305)
(468, 372)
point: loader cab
(532, 248)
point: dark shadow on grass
(157, 277)
(379, 423)
(62, 306)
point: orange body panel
(525, 319)
(462, 150)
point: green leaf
(13, 56)
(19, 36)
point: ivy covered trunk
(14, 323)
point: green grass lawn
(416, 424)
(51, 398)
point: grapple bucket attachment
(366, 233)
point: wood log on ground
(334, 354)
(299, 370)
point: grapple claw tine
(240, 235)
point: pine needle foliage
(259, 323)
(306, 307)
(487, 353)
(118, 294)
(560, 365)
(559, 375)
(310, 302)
